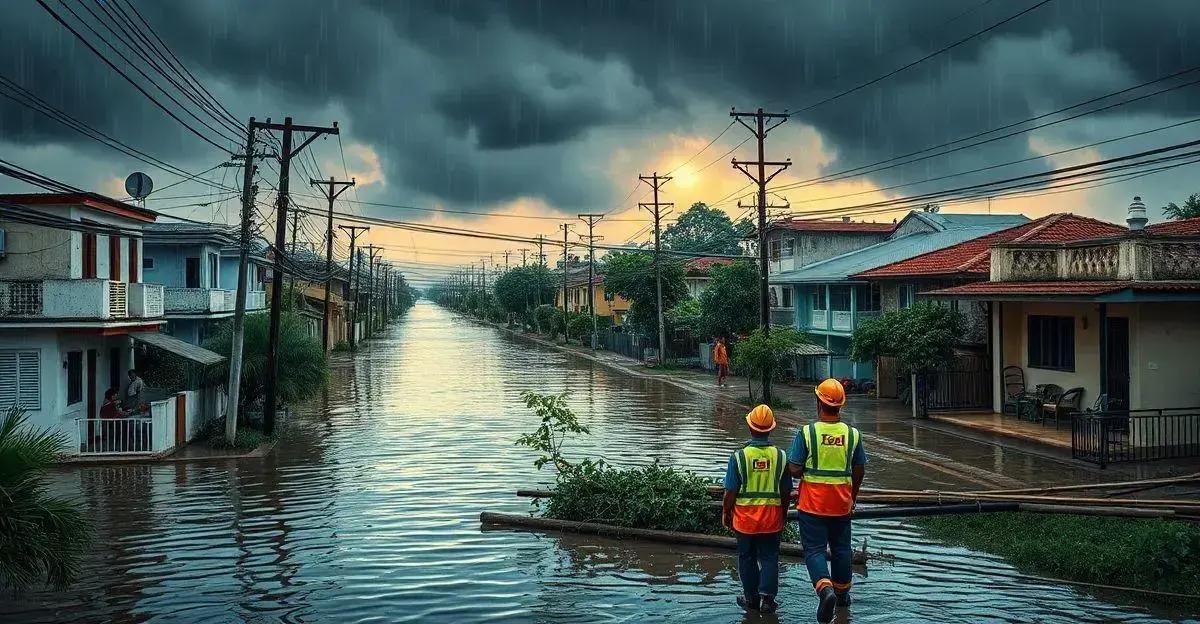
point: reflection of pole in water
(120, 503)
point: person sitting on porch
(111, 408)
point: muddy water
(368, 511)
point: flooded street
(368, 511)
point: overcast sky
(552, 108)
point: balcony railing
(256, 300)
(783, 316)
(147, 433)
(819, 319)
(198, 300)
(92, 299)
(145, 300)
(842, 320)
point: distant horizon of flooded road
(368, 511)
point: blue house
(198, 268)
(826, 303)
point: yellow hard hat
(761, 419)
(831, 393)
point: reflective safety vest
(826, 489)
(757, 508)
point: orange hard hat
(761, 419)
(831, 393)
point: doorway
(191, 273)
(90, 397)
(114, 368)
(1116, 366)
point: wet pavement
(367, 511)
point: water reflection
(368, 511)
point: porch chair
(1099, 405)
(1033, 403)
(1013, 378)
(1067, 403)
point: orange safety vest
(758, 507)
(827, 486)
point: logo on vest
(761, 464)
(830, 440)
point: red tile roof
(1062, 288)
(91, 200)
(822, 225)
(1184, 227)
(705, 264)
(973, 257)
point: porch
(79, 299)
(1006, 425)
(167, 425)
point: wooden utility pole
(249, 190)
(285, 164)
(566, 228)
(763, 124)
(591, 220)
(352, 316)
(331, 191)
(656, 182)
(371, 251)
(523, 252)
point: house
(827, 302)
(197, 264)
(898, 284)
(307, 289)
(794, 243)
(1115, 315)
(606, 304)
(698, 271)
(73, 304)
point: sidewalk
(988, 456)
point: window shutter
(29, 390)
(9, 381)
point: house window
(904, 296)
(819, 302)
(868, 298)
(789, 247)
(214, 271)
(839, 298)
(775, 247)
(74, 377)
(1052, 342)
(147, 263)
(20, 379)
(786, 292)
(191, 272)
(89, 256)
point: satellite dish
(138, 185)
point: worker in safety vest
(757, 488)
(828, 457)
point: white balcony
(86, 299)
(256, 300)
(145, 300)
(819, 319)
(197, 300)
(783, 316)
(842, 320)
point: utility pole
(285, 168)
(331, 191)
(292, 252)
(591, 220)
(763, 124)
(523, 251)
(371, 251)
(566, 228)
(239, 311)
(506, 252)
(656, 182)
(352, 317)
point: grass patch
(247, 437)
(1144, 553)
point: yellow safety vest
(760, 471)
(830, 452)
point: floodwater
(368, 511)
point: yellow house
(606, 304)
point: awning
(807, 349)
(200, 355)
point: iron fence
(1135, 435)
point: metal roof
(808, 349)
(187, 350)
(950, 231)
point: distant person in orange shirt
(828, 457)
(721, 359)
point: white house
(72, 304)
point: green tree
(518, 290)
(703, 229)
(760, 352)
(1190, 208)
(729, 304)
(631, 275)
(42, 537)
(920, 337)
(302, 365)
(557, 423)
(686, 316)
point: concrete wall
(229, 274)
(1163, 366)
(170, 266)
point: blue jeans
(758, 564)
(817, 532)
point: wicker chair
(1013, 378)
(1066, 404)
(1043, 394)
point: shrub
(759, 353)
(579, 325)
(342, 346)
(303, 370)
(651, 497)
(549, 319)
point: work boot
(827, 602)
(843, 599)
(749, 604)
(769, 605)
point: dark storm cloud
(483, 102)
